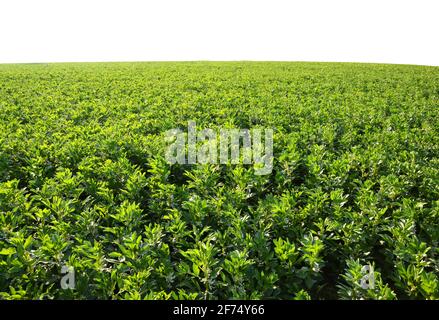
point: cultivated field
(350, 209)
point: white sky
(310, 30)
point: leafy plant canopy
(84, 182)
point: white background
(310, 30)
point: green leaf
(195, 269)
(7, 251)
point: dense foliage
(83, 182)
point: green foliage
(84, 183)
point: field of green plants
(84, 182)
